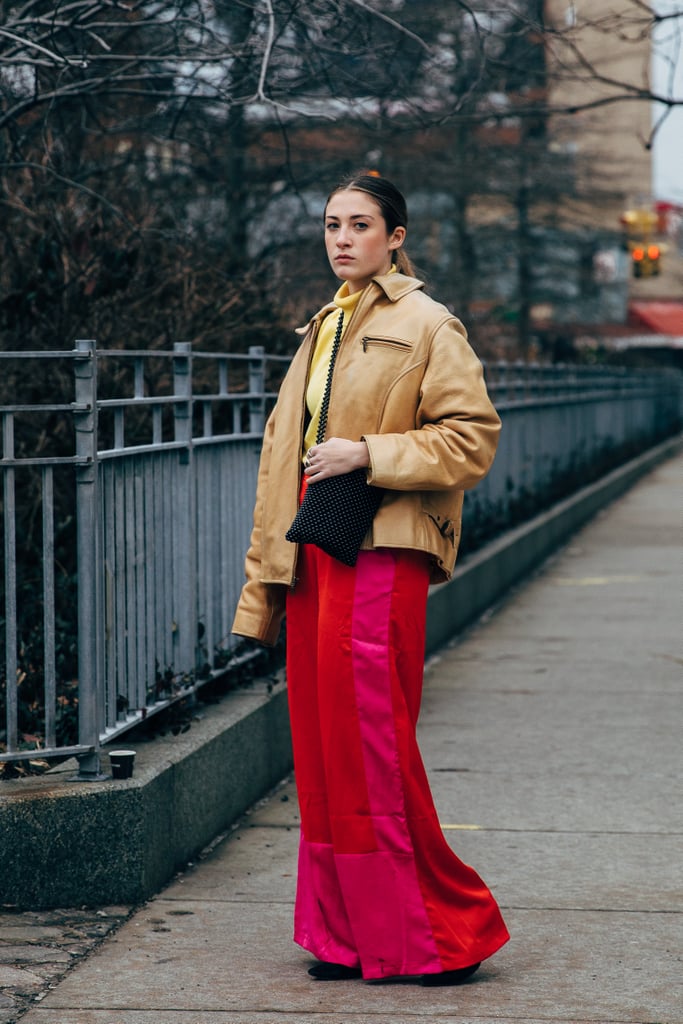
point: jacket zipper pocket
(375, 339)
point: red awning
(661, 317)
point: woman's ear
(398, 237)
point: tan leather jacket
(406, 381)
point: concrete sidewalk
(552, 735)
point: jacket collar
(394, 286)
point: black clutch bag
(337, 512)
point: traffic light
(645, 260)
(639, 224)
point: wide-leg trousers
(378, 885)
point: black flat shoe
(449, 977)
(334, 972)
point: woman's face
(356, 238)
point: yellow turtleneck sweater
(321, 358)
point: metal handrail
(163, 523)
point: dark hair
(392, 206)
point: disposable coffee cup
(122, 762)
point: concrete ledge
(67, 843)
(482, 578)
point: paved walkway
(553, 735)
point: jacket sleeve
(457, 427)
(261, 606)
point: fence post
(257, 389)
(85, 424)
(184, 539)
(182, 391)
(10, 611)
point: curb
(68, 843)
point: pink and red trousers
(378, 886)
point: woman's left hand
(334, 457)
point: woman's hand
(335, 456)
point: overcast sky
(667, 76)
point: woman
(380, 893)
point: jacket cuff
(261, 621)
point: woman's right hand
(334, 457)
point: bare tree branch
(57, 58)
(390, 21)
(267, 52)
(78, 185)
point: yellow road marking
(461, 828)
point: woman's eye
(331, 226)
(361, 225)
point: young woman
(380, 893)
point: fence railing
(144, 524)
(142, 482)
(564, 426)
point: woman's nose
(342, 237)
